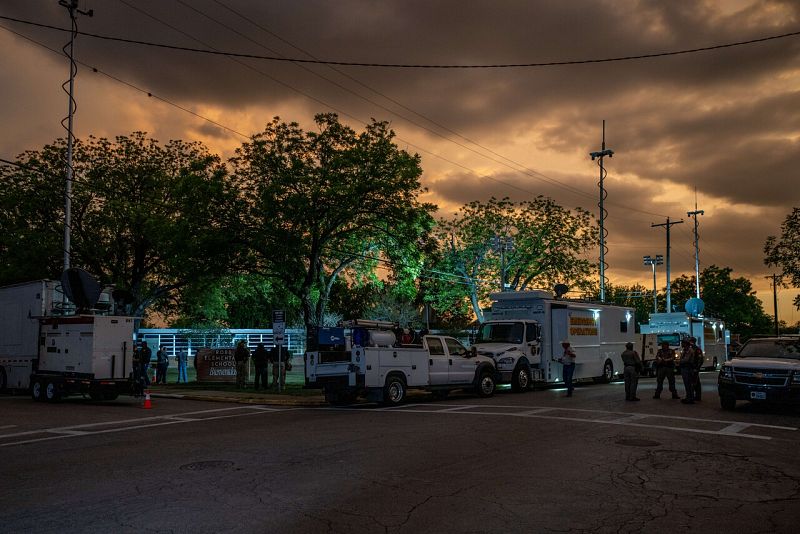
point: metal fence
(176, 339)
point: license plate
(758, 395)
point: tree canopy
(784, 252)
(529, 244)
(146, 217)
(731, 299)
(328, 203)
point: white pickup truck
(372, 366)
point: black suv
(763, 370)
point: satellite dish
(561, 290)
(81, 288)
(694, 306)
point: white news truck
(526, 329)
(674, 327)
(366, 361)
(54, 354)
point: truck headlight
(506, 360)
(726, 373)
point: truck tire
(3, 380)
(394, 392)
(486, 385)
(51, 393)
(728, 402)
(521, 379)
(37, 390)
(608, 372)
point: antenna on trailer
(602, 153)
(694, 214)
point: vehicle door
(439, 366)
(462, 365)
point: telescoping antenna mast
(72, 7)
(602, 153)
(694, 214)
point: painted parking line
(729, 428)
(136, 424)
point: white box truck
(711, 335)
(367, 361)
(56, 355)
(526, 328)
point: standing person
(632, 366)
(241, 355)
(665, 368)
(568, 361)
(145, 355)
(687, 365)
(278, 367)
(181, 359)
(136, 362)
(260, 357)
(699, 360)
(162, 363)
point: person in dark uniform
(665, 368)
(145, 355)
(687, 365)
(632, 366)
(241, 355)
(260, 357)
(699, 360)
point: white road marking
(148, 422)
(731, 428)
(7, 426)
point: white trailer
(526, 329)
(53, 354)
(710, 333)
(367, 362)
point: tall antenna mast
(602, 153)
(72, 7)
(694, 214)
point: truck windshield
(771, 348)
(501, 333)
(674, 340)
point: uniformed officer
(687, 366)
(632, 366)
(699, 360)
(665, 368)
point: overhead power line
(412, 65)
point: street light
(658, 260)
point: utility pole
(502, 244)
(602, 153)
(667, 225)
(774, 279)
(694, 214)
(72, 7)
(658, 260)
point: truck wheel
(485, 385)
(51, 393)
(3, 379)
(608, 372)
(395, 390)
(521, 379)
(37, 390)
(728, 402)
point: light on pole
(658, 260)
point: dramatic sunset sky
(725, 123)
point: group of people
(689, 365)
(142, 354)
(262, 359)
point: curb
(304, 403)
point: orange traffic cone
(148, 404)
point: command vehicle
(48, 349)
(364, 359)
(526, 329)
(710, 334)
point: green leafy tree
(328, 203)
(784, 252)
(731, 299)
(635, 296)
(530, 244)
(146, 217)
